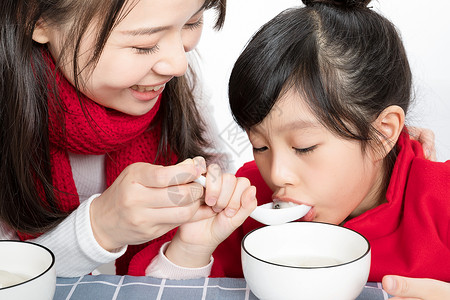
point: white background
(425, 29)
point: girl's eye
(262, 149)
(193, 26)
(146, 50)
(305, 150)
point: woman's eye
(304, 150)
(150, 50)
(261, 149)
(195, 25)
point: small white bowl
(305, 260)
(31, 267)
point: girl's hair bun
(339, 3)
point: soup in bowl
(27, 271)
(305, 260)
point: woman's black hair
(27, 200)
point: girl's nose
(282, 172)
(173, 61)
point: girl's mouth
(310, 216)
(283, 202)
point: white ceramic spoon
(201, 180)
(273, 213)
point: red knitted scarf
(123, 138)
(85, 127)
(94, 129)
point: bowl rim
(303, 267)
(36, 277)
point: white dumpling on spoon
(273, 213)
(279, 212)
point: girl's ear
(41, 33)
(390, 124)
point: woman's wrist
(100, 236)
(187, 255)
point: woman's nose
(173, 61)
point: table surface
(110, 287)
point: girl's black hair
(27, 200)
(345, 60)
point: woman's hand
(426, 138)
(405, 288)
(230, 200)
(146, 201)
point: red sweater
(409, 235)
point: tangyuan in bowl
(305, 260)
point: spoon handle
(201, 180)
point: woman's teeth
(143, 89)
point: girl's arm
(162, 267)
(416, 288)
(229, 201)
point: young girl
(322, 92)
(94, 103)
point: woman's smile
(146, 93)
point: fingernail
(253, 192)
(229, 212)
(200, 164)
(389, 284)
(211, 201)
(216, 209)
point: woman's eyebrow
(153, 30)
(145, 30)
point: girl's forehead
(290, 112)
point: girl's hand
(406, 288)
(146, 201)
(426, 138)
(230, 201)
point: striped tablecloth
(110, 287)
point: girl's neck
(377, 192)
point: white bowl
(30, 268)
(305, 260)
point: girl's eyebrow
(153, 30)
(299, 124)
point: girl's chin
(310, 216)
